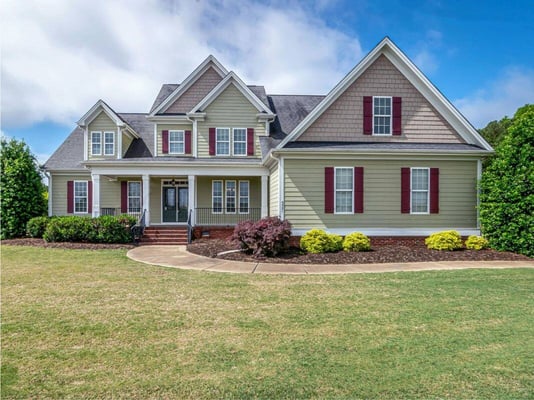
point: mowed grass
(94, 324)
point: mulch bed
(378, 254)
(63, 245)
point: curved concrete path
(179, 257)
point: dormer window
(109, 143)
(96, 143)
(222, 139)
(382, 115)
(176, 142)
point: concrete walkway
(179, 257)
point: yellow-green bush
(475, 242)
(356, 241)
(318, 241)
(446, 240)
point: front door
(175, 204)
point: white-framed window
(217, 197)
(244, 197)
(382, 115)
(222, 141)
(344, 190)
(81, 194)
(176, 142)
(109, 143)
(240, 141)
(96, 143)
(419, 190)
(134, 196)
(230, 197)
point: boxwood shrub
(104, 229)
(318, 241)
(36, 226)
(475, 242)
(445, 240)
(356, 241)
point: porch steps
(170, 235)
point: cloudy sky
(58, 57)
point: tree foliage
(495, 131)
(507, 188)
(21, 189)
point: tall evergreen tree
(21, 188)
(507, 188)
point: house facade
(384, 153)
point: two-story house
(384, 153)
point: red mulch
(378, 254)
(63, 245)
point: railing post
(146, 198)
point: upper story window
(80, 197)
(240, 141)
(109, 143)
(222, 141)
(382, 115)
(420, 183)
(96, 143)
(176, 142)
(344, 188)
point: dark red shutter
(250, 141)
(89, 197)
(397, 115)
(405, 190)
(70, 197)
(367, 115)
(212, 141)
(434, 190)
(124, 197)
(358, 190)
(165, 142)
(187, 140)
(329, 190)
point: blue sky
(57, 61)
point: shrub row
(451, 240)
(104, 229)
(266, 237)
(318, 241)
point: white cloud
(58, 60)
(425, 57)
(501, 98)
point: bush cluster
(104, 229)
(445, 240)
(475, 242)
(318, 241)
(264, 238)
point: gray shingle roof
(290, 110)
(144, 146)
(164, 92)
(69, 155)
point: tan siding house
(384, 153)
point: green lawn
(93, 324)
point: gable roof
(387, 48)
(164, 92)
(101, 106)
(209, 62)
(229, 79)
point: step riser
(164, 236)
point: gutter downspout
(49, 178)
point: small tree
(21, 188)
(507, 188)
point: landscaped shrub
(104, 229)
(318, 241)
(266, 237)
(356, 241)
(36, 226)
(446, 240)
(475, 242)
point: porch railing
(117, 211)
(139, 228)
(189, 227)
(208, 216)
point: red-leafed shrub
(266, 237)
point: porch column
(96, 195)
(146, 198)
(191, 181)
(264, 197)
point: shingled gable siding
(195, 93)
(230, 110)
(304, 197)
(102, 123)
(343, 121)
(170, 127)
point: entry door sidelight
(183, 204)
